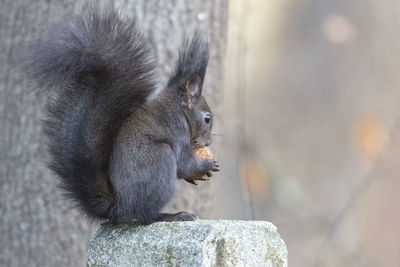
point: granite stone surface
(198, 243)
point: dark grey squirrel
(116, 142)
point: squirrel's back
(100, 69)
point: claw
(216, 166)
(190, 181)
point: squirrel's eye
(207, 118)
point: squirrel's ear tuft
(193, 90)
(191, 67)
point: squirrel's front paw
(208, 166)
(211, 165)
(192, 180)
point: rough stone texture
(198, 243)
(38, 227)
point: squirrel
(118, 143)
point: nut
(203, 153)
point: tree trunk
(38, 227)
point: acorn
(203, 153)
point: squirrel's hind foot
(180, 216)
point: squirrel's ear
(191, 67)
(193, 89)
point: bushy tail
(100, 69)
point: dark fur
(117, 154)
(193, 59)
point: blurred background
(311, 125)
(308, 127)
